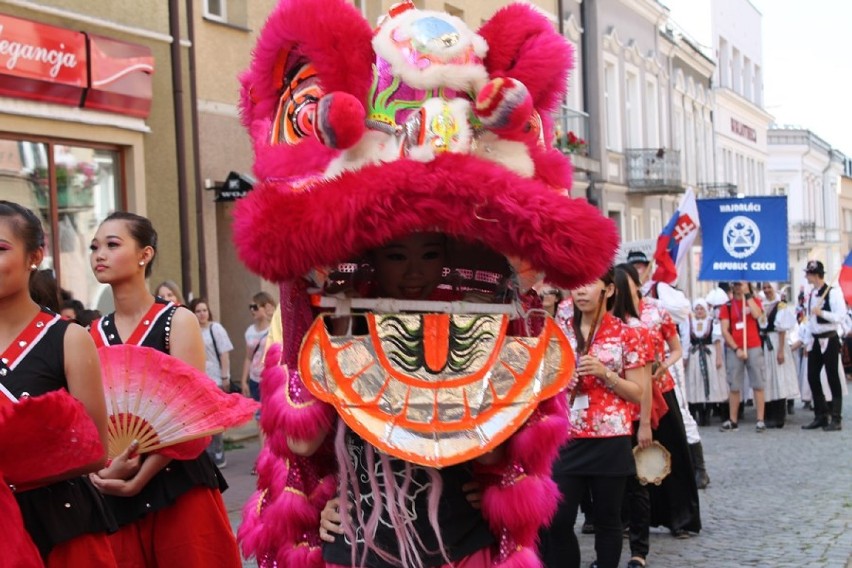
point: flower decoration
(574, 144)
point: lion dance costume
(363, 136)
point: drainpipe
(196, 155)
(180, 147)
(588, 60)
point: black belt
(825, 335)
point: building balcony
(803, 232)
(571, 133)
(653, 170)
(717, 190)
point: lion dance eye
(296, 107)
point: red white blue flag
(676, 238)
(846, 279)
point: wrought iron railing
(653, 170)
(571, 131)
(803, 232)
(717, 189)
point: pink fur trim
(537, 444)
(307, 30)
(522, 44)
(461, 195)
(522, 507)
(302, 422)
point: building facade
(806, 169)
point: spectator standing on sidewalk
(825, 311)
(740, 329)
(262, 307)
(169, 291)
(217, 349)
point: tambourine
(653, 463)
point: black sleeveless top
(180, 475)
(67, 509)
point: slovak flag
(846, 279)
(676, 238)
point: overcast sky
(807, 61)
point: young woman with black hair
(599, 455)
(65, 516)
(171, 512)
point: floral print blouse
(619, 347)
(661, 328)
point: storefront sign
(41, 62)
(55, 65)
(235, 186)
(120, 80)
(741, 129)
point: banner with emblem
(744, 239)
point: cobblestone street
(781, 498)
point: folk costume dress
(67, 520)
(705, 383)
(599, 455)
(674, 503)
(178, 518)
(781, 380)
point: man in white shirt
(826, 309)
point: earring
(33, 267)
(141, 263)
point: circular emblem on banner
(741, 237)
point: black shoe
(833, 426)
(588, 528)
(635, 563)
(680, 534)
(819, 422)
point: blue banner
(744, 239)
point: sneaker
(728, 426)
(760, 426)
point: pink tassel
(526, 557)
(522, 507)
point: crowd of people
(418, 408)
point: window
(737, 71)
(724, 63)
(615, 215)
(613, 116)
(656, 224)
(652, 121)
(748, 80)
(216, 10)
(75, 185)
(635, 227)
(780, 189)
(758, 87)
(633, 110)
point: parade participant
(43, 353)
(361, 139)
(449, 530)
(705, 379)
(171, 512)
(825, 311)
(599, 456)
(637, 504)
(781, 377)
(740, 330)
(674, 503)
(217, 355)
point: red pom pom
(339, 120)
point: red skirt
(85, 551)
(193, 533)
